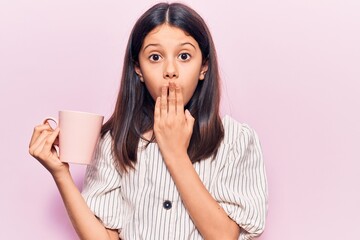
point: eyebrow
(189, 44)
(151, 45)
(157, 44)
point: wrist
(62, 175)
(177, 160)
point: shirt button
(167, 204)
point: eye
(155, 57)
(184, 56)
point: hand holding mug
(77, 132)
(42, 147)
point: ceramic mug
(79, 133)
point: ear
(203, 71)
(139, 73)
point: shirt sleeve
(101, 189)
(241, 186)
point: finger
(189, 119)
(179, 100)
(163, 101)
(42, 152)
(50, 140)
(172, 98)
(37, 132)
(39, 141)
(157, 110)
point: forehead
(165, 34)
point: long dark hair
(133, 114)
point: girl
(162, 172)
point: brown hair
(133, 114)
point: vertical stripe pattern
(145, 204)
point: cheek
(154, 86)
(188, 92)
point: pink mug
(79, 133)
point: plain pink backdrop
(290, 68)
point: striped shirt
(145, 204)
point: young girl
(167, 166)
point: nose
(170, 70)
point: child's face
(168, 54)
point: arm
(241, 185)
(85, 223)
(208, 216)
(173, 129)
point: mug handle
(51, 119)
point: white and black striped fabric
(145, 204)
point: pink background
(291, 69)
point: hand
(172, 126)
(42, 147)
